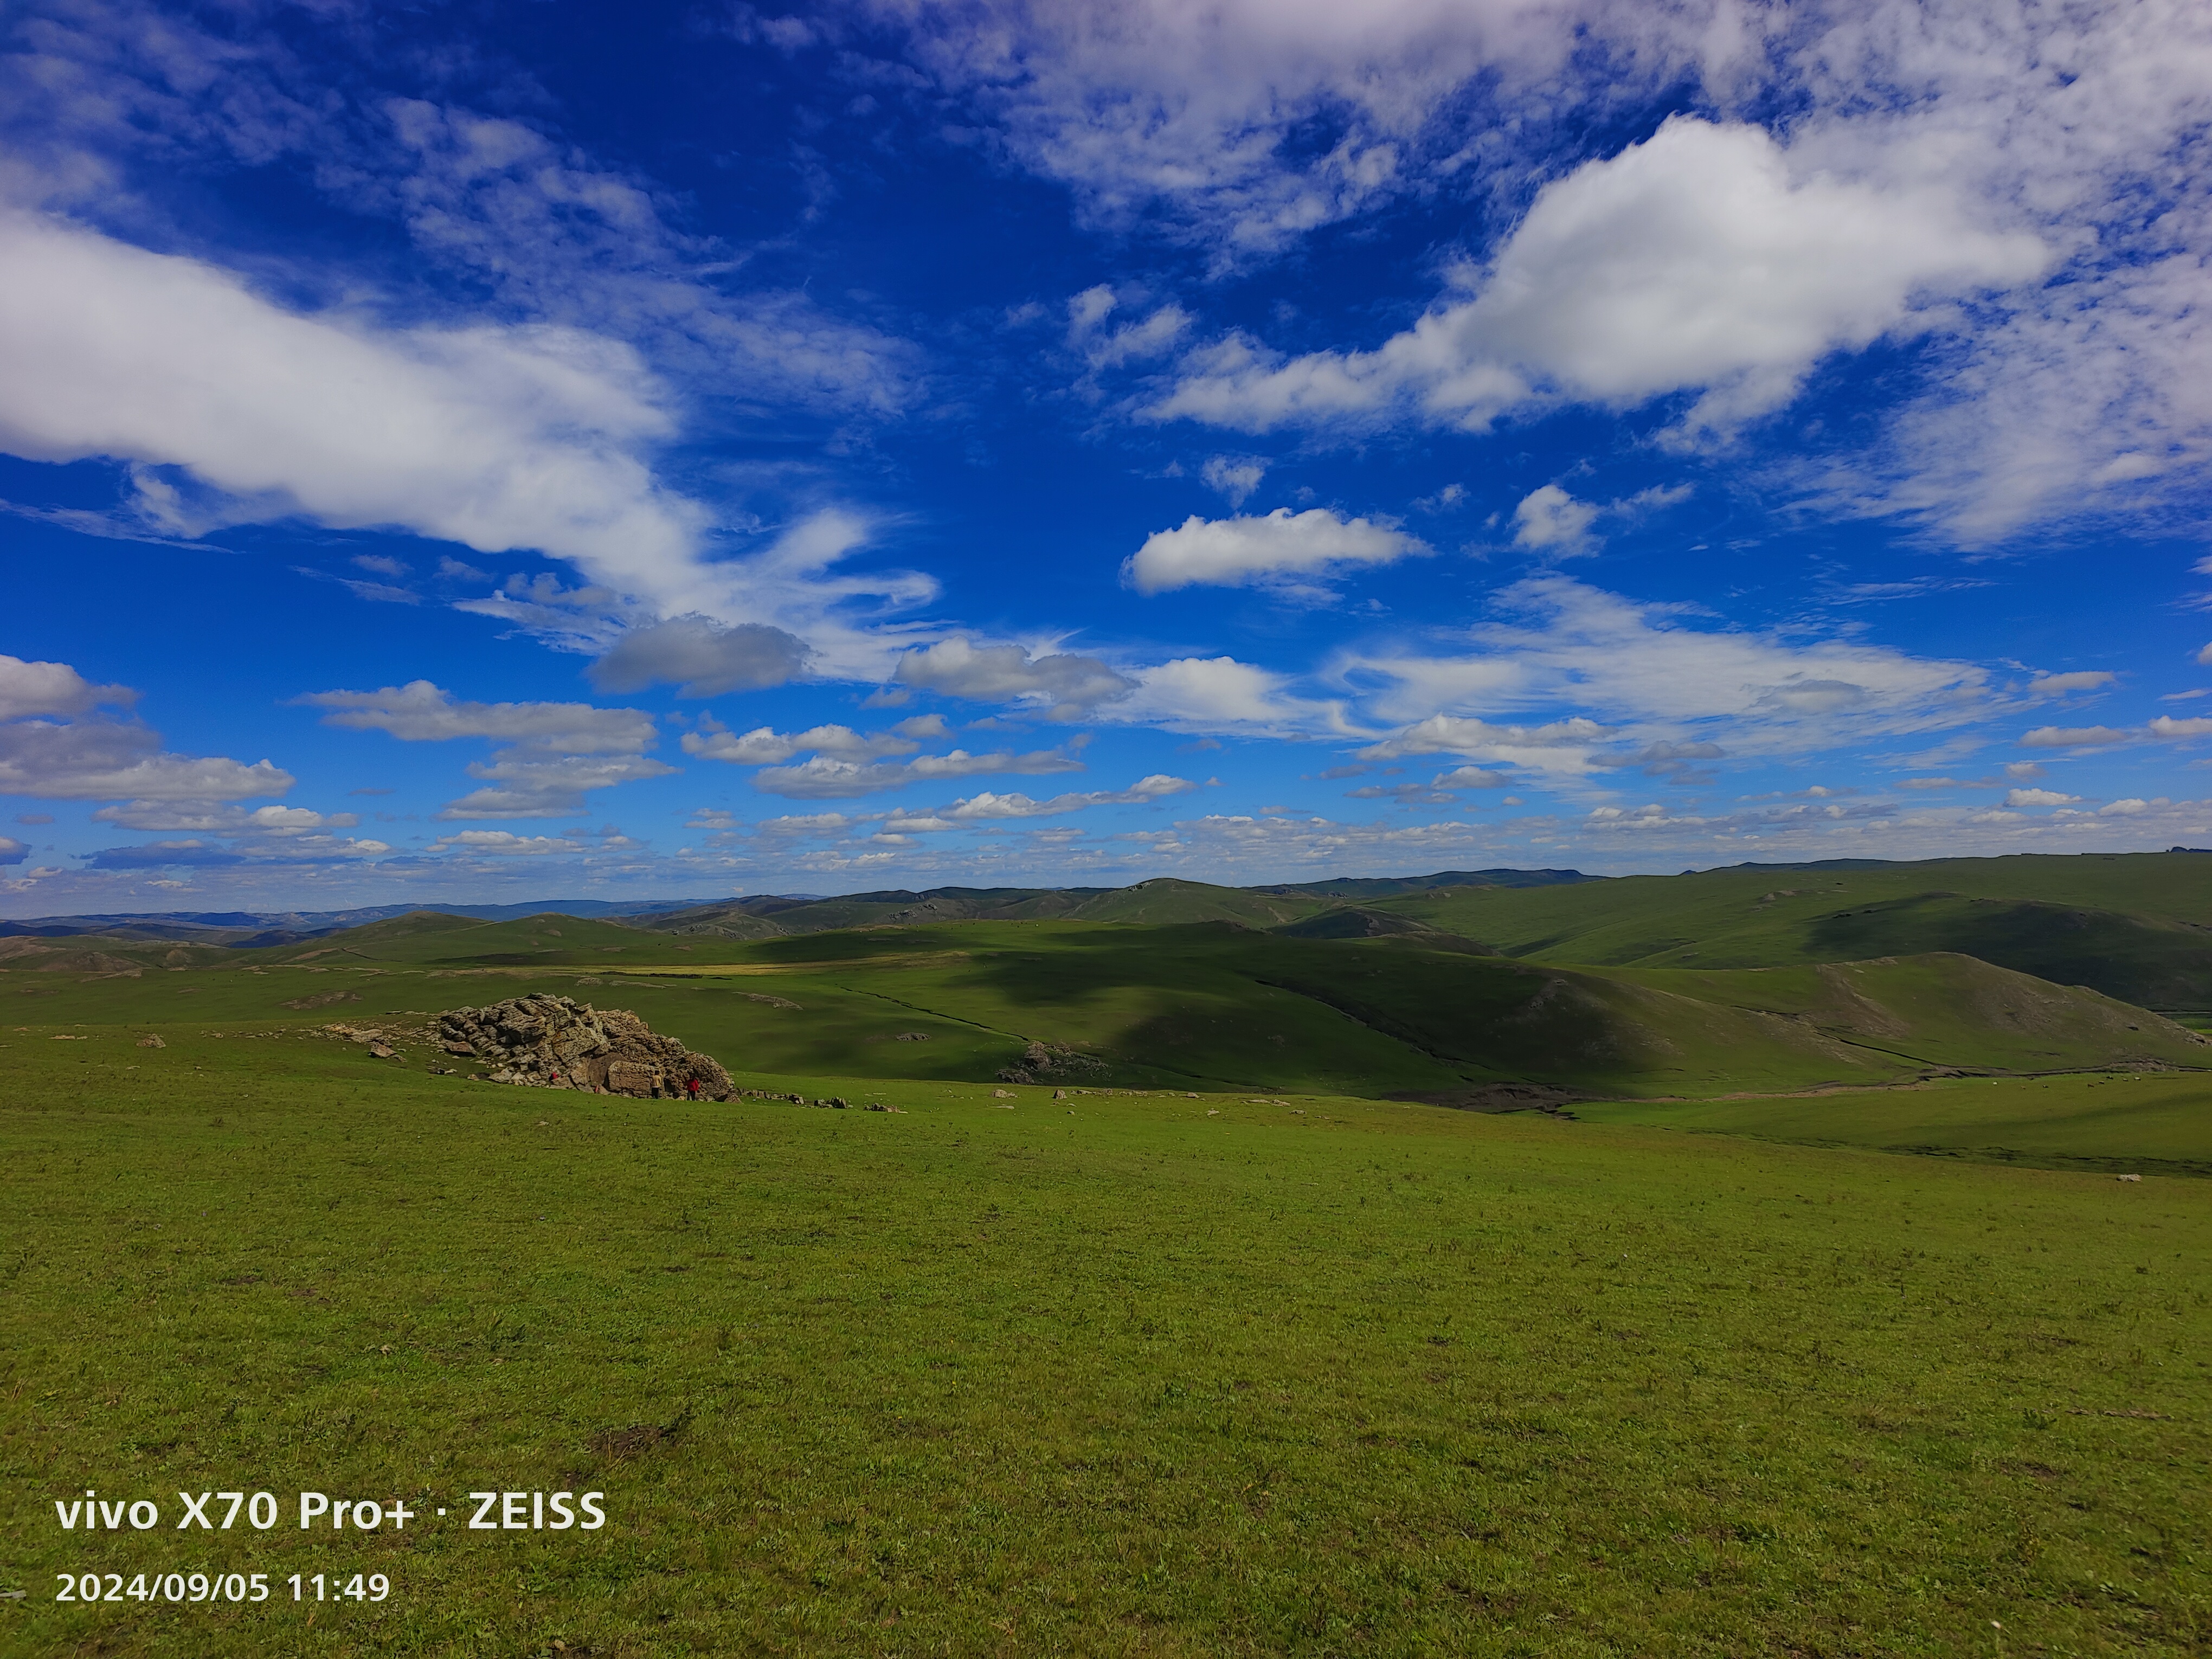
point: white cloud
(1692, 261)
(12, 851)
(421, 712)
(2167, 729)
(206, 817)
(1067, 684)
(1248, 124)
(1182, 116)
(1551, 520)
(988, 807)
(52, 688)
(1234, 475)
(702, 657)
(1650, 678)
(1470, 777)
(1558, 746)
(496, 438)
(765, 746)
(2064, 685)
(805, 823)
(2040, 798)
(560, 750)
(821, 777)
(524, 787)
(506, 844)
(96, 757)
(1220, 694)
(1282, 546)
(2073, 736)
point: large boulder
(557, 1042)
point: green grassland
(2111, 1121)
(2134, 926)
(1212, 1005)
(1121, 1374)
(1202, 1343)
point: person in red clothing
(692, 1087)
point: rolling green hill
(1201, 1005)
(2140, 1121)
(2137, 926)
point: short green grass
(1199, 1005)
(2114, 1120)
(2132, 925)
(1124, 1374)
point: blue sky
(498, 450)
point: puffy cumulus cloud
(504, 843)
(53, 688)
(208, 816)
(822, 777)
(1550, 520)
(12, 851)
(701, 656)
(1647, 675)
(1282, 547)
(95, 756)
(1470, 777)
(497, 438)
(987, 807)
(1068, 686)
(1955, 137)
(559, 751)
(519, 786)
(1694, 261)
(2073, 736)
(1554, 746)
(421, 712)
(1220, 694)
(109, 760)
(2067, 685)
(764, 746)
(2167, 729)
(2040, 798)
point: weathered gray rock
(557, 1042)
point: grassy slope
(2115, 1122)
(1204, 1005)
(1137, 1377)
(2131, 924)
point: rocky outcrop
(1043, 1062)
(557, 1042)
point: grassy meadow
(1818, 1325)
(1125, 1373)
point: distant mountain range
(252, 929)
